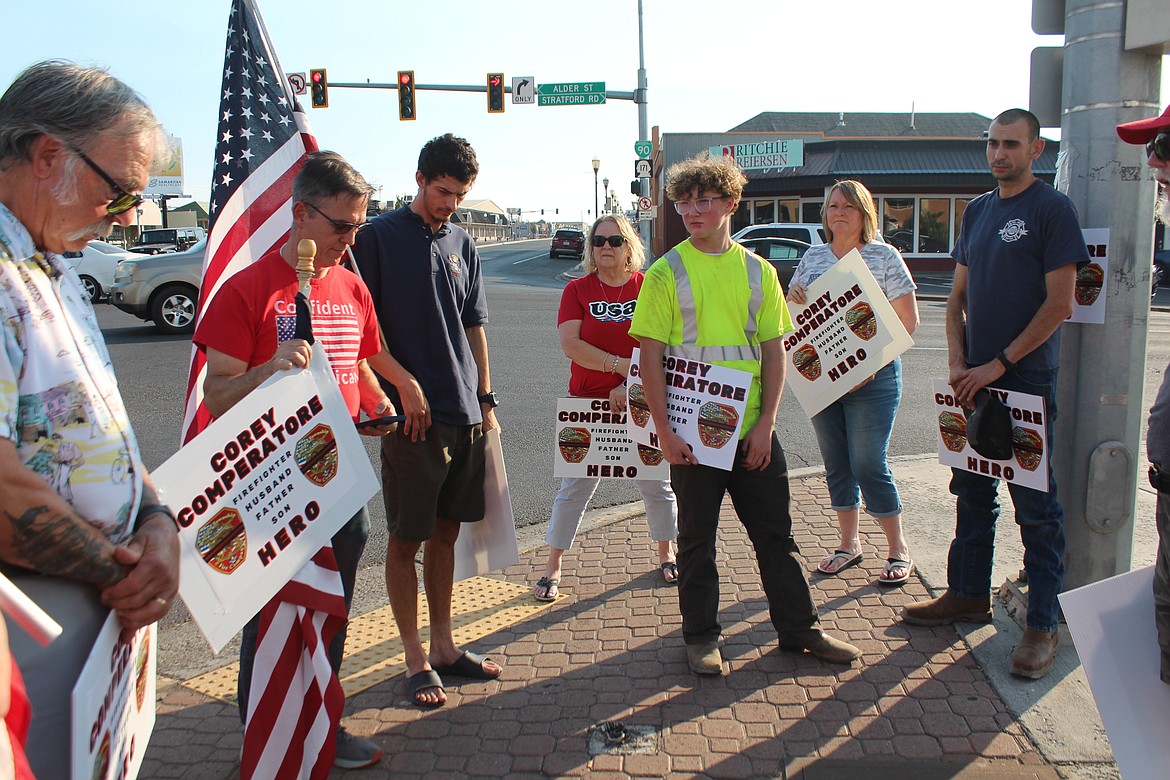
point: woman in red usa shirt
(594, 324)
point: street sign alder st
(580, 93)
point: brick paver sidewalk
(610, 649)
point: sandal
(546, 589)
(838, 562)
(669, 572)
(889, 575)
(425, 680)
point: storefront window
(742, 216)
(934, 215)
(764, 212)
(898, 223)
(960, 207)
(811, 211)
(788, 211)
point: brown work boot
(1035, 653)
(824, 647)
(948, 608)
(705, 658)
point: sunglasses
(614, 241)
(339, 227)
(1159, 146)
(700, 206)
(124, 200)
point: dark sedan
(783, 253)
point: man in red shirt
(248, 334)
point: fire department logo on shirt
(1014, 230)
(454, 264)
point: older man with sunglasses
(248, 334)
(75, 145)
(1155, 134)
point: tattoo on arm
(55, 544)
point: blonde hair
(633, 242)
(857, 195)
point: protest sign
(845, 332)
(1092, 279)
(1028, 465)
(490, 544)
(259, 491)
(113, 704)
(705, 404)
(592, 441)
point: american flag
(295, 703)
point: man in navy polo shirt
(424, 276)
(1017, 257)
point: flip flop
(467, 665)
(669, 572)
(551, 591)
(423, 681)
(896, 563)
(838, 562)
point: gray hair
(73, 104)
(325, 175)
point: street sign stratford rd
(579, 93)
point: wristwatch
(490, 398)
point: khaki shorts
(439, 477)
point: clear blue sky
(710, 66)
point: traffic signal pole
(1102, 375)
(645, 225)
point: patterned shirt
(883, 261)
(59, 399)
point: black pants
(761, 499)
(1162, 582)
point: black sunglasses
(124, 200)
(339, 227)
(614, 241)
(1159, 146)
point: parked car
(568, 241)
(783, 253)
(808, 232)
(162, 288)
(159, 240)
(96, 265)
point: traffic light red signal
(495, 93)
(319, 88)
(406, 110)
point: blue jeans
(1039, 515)
(348, 544)
(854, 434)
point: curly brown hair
(704, 173)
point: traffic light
(495, 93)
(406, 95)
(319, 86)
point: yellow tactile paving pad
(374, 654)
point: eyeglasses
(614, 241)
(339, 227)
(124, 200)
(1159, 146)
(700, 206)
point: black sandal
(669, 572)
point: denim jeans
(853, 434)
(574, 495)
(348, 544)
(761, 499)
(1039, 515)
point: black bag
(989, 427)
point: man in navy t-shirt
(424, 276)
(1017, 257)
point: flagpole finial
(306, 251)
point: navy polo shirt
(427, 289)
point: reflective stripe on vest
(686, 306)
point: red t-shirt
(605, 313)
(255, 311)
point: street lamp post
(596, 166)
(605, 189)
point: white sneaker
(355, 752)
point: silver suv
(161, 288)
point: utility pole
(1100, 403)
(644, 226)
